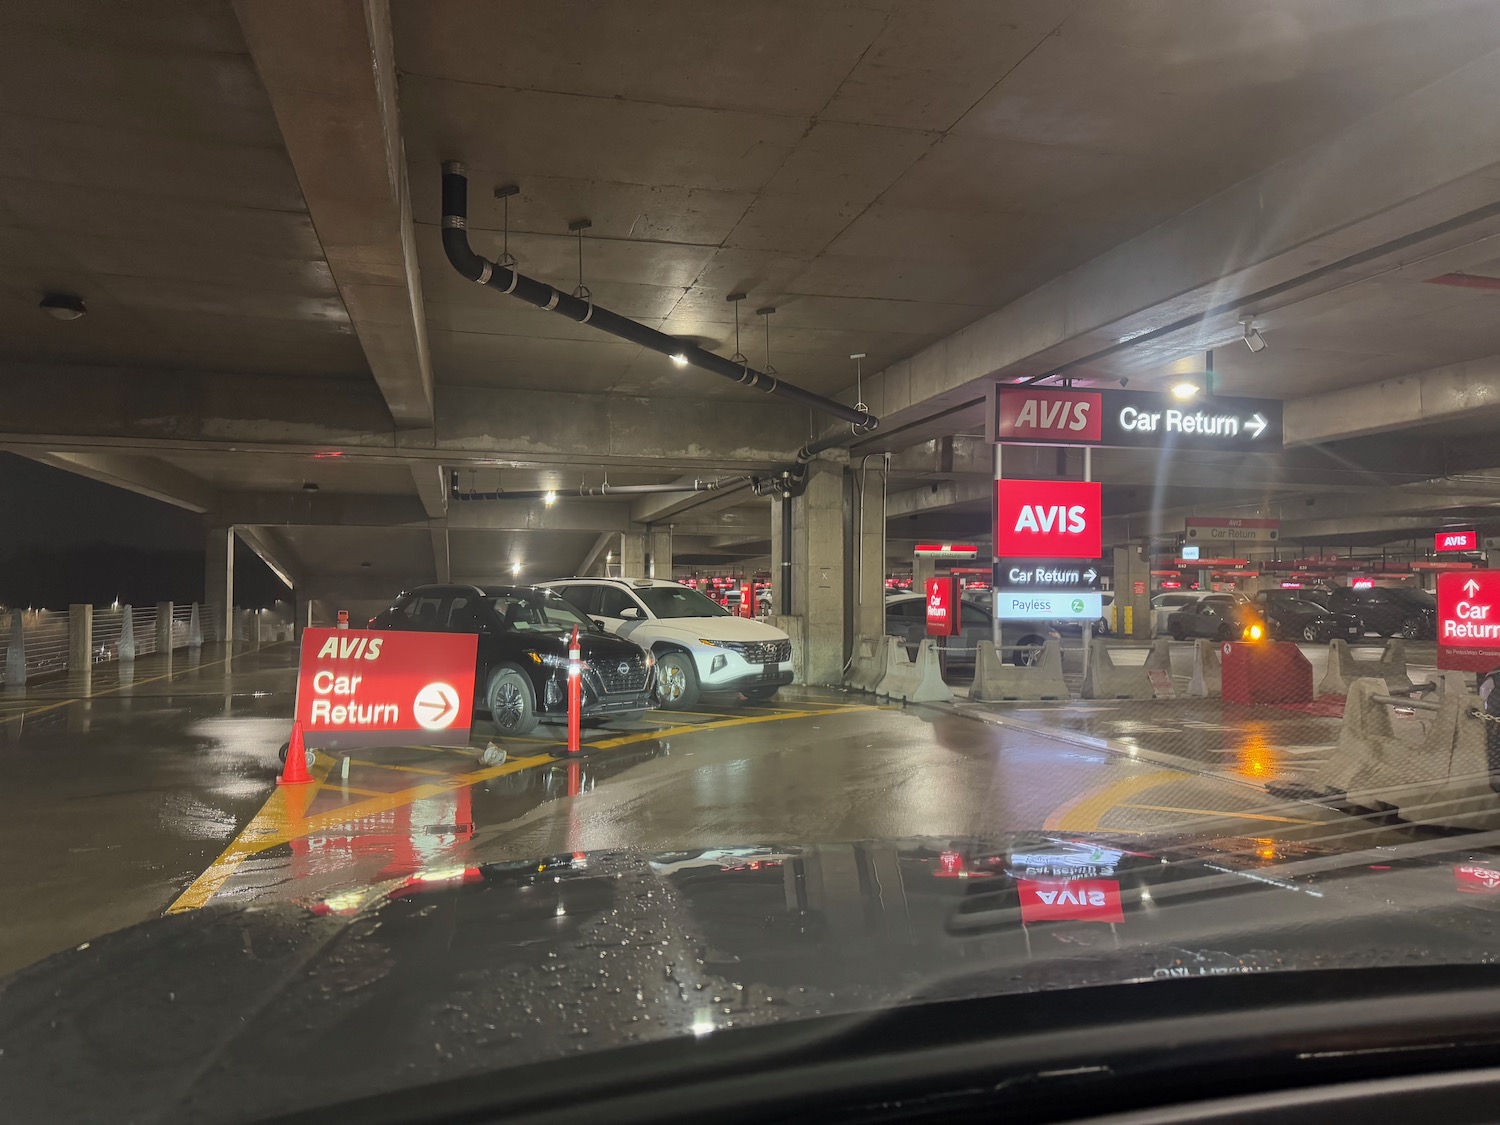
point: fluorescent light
(1184, 390)
(549, 499)
(515, 568)
(680, 360)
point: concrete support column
(125, 651)
(1130, 569)
(80, 638)
(15, 651)
(163, 626)
(218, 584)
(660, 544)
(819, 570)
(781, 559)
(921, 570)
(633, 553)
(869, 546)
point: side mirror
(630, 613)
(595, 625)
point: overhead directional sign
(1047, 574)
(1048, 605)
(1231, 529)
(1468, 620)
(946, 550)
(1456, 539)
(1049, 416)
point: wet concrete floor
(124, 798)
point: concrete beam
(1437, 395)
(274, 551)
(432, 488)
(442, 559)
(1347, 527)
(49, 407)
(147, 476)
(330, 71)
(1347, 208)
(661, 507)
(302, 509)
(944, 494)
(605, 542)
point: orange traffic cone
(295, 772)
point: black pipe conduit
(599, 490)
(584, 311)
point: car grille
(632, 679)
(764, 652)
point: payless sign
(1048, 519)
(372, 688)
(1037, 416)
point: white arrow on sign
(436, 706)
(1257, 423)
(1471, 587)
(1090, 574)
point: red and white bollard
(575, 695)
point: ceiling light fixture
(549, 499)
(1184, 390)
(680, 360)
(63, 306)
(515, 568)
(1253, 339)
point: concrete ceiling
(246, 196)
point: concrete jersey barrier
(1442, 779)
(915, 681)
(867, 666)
(1208, 670)
(1103, 680)
(1343, 669)
(995, 681)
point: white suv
(699, 645)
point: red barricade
(1266, 672)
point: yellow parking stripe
(1083, 814)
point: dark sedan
(1297, 619)
(521, 676)
(1219, 617)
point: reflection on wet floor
(131, 791)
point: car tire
(1410, 629)
(511, 702)
(1310, 634)
(1225, 633)
(1177, 631)
(760, 694)
(1028, 659)
(310, 755)
(677, 681)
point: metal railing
(47, 635)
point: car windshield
(678, 601)
(1019, 472)
(537, 613)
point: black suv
(522, 658)
(1389, 611)
(1293, 616)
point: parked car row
(1341, 613)
(643, 643)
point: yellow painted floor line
(1083, 814)
(400, 769)
(689, 728)
(342, 788)
(1223, 814)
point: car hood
(720, 628)
(604, 646)
(235, 1013)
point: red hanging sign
(1048, 519)
(942, 607)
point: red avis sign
(1070, 900)
(1456, 541)
(942, 607)
(1049, 416)
(1048, 519)
(371, 688)
(1468, 620)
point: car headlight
(650, 659)
(715, 644)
